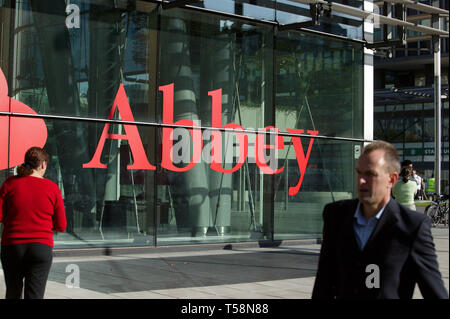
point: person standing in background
(419, 181)
(430, 190)
(31, 208)
(407, 163)
(405, 189)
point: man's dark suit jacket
(401, 245)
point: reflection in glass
(329, 177)
(218, 59)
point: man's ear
(393, 177)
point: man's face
(373, 180)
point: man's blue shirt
(364, 228)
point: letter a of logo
(132, 135)
(19, 133)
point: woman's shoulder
(41, 181)
(412, 184)
(31, 181)
(399, 183)
(47, 185)
(50, 183)
(11, 179)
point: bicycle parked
(438, 210)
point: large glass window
(221, 79)
(60, 67)
(113, 205)
(329, 177)
(163, 175)
(317, 91)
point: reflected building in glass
(177, 125)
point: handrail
(420, 7)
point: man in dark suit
(373, 247)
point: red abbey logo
(196, 138)
(23, 132)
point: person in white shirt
(419, 182)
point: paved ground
(244, 272)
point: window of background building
(444, 77)
(389, 80)
(428, 106)
(412, 48)
(428, 129)
(419, 79)
(404, 79)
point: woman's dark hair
(405, 173)
(33, 159)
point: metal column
(437, 101)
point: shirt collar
(361, 220)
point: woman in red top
(31, 208)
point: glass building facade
(161, 122)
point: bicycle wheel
(432, 211)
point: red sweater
(31, 208)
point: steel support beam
(178, 3)
(437, 102)
(421, 7)
(355, 12)
(316, 11)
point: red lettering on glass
(131, 134)
(22, 132)
(216, 136)
(167, 148)
(302, 160)
(261, 146)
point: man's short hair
(390, 156)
